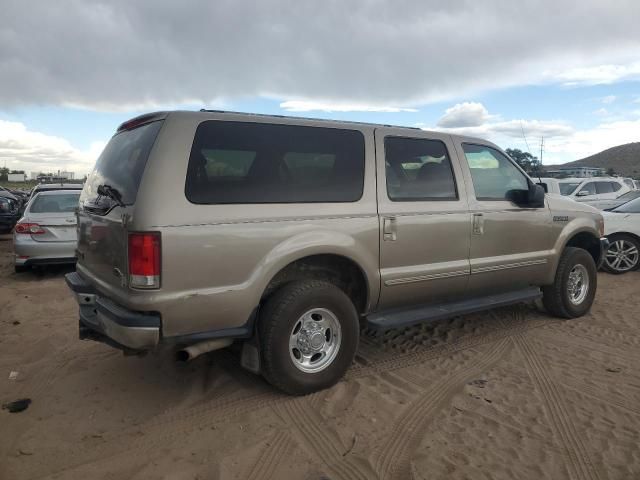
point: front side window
(238, 162)
(587, 189)
(494, 176)
(418, 169)
(615, 186)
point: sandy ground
(507, 394)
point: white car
(587, 190)
(616, 202)
(550, 185)
(622, 228)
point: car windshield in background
(7, 205)
(567, 188)
(122, 162)
(632, 206)
(63, 203)
(629, 195)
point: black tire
(20, 268)
(615, 241)
(556, 297)
(278, 317)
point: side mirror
(582, 193)
(536, 196)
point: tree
(611, 172)
(4, 171)
(528, 162)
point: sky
(511, 72)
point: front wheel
(623, 254)
(574, 288)
(309, 335)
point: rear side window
(418, 169)
(241, 162)
(63, 203)
(605, 187)
(122, 163)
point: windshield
(629, 195)
(630, 207)
(567, 188)
(63, 203)
(122, 163)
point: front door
(424, 219)
(511, 245)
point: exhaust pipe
(192, 351)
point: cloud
(24, 149)
(608, 99)
(308, 106)
(111, 55)
(467, 114)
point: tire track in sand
(394, 458)
(580, 466)
(266, 465)
(323, 443)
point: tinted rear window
(238, 162)
(63, 203)
(122, 163)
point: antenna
(541, 148)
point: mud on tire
(573, 290)
(300, 319)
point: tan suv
(197, 229)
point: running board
(405, 317)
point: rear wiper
(112, 193)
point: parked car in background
(587, 190)
(616, 202)
(550, 185)
(637, 184)
(9, 213)
(50, 187)
(46, 233)
(629, 182)
(622, 228)
(288, 234)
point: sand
(506, 394)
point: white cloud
(601, 112)
(562, 142)
(467, 114)
(109, 55)
(608, 99)
(308, 106)
(24, 149)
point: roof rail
(352, 122)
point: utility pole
(541, 148)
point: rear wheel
(571, 294)
(309, 335)
(623, 254)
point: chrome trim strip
(423, 278)
(508, 266)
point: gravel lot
(507, 394)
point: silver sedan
(46, 234)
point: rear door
(424, 218)
(102, 236)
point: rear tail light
(29, 228)
(144, 260)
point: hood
(558, 202)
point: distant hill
(624, 159)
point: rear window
(238, 162)
(63, 203)
(122, 163)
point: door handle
(478, 224)
(389, 229)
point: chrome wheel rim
(578, 284)
(622, 256)
(315, 340)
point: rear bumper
(105, 321)
(30, 252)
